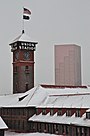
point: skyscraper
(68, 64)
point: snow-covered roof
(6, 100)
(22, 37)
(82, 121)
(2, 124)
(49, 97)
(9, 133)
(67, 101)
(88, 110)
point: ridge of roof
(61, 86)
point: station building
(61, 110)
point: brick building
(47, 108)
(23, 63)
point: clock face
(26, 55)
(17, 55)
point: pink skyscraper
(68, 65)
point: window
(16, 87)
(45, 127)
(16, 69)
(78, 113)
(44, 111)
(37, 111)
(88, 115)
(27, 70)
(59, 112)
(19, 124)
(51, 112)
(68, 113)
(26, 67)
(26, 86)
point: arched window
(26, 86)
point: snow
(2, 124)
(52, 97)
(7, 133)
(88, 110)
(23, 37)
(82, 121)
(49, 97)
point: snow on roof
(8, 99)
(49, 97)
(2, 124)
(23, 38)
(9, 133)
(66, 97)
(82, 121)
(79, 101)
(88, 110)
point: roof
(22, 37)
(49, 97)
(80, 121)
(2, 124)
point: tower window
(26, 86)
(26, 67)
(16, 69)
(16, 87)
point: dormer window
(88, 115)
(68, 113)
(51, 112)
(59, 113)
(43, 111)
(36, 111)
(78, 113)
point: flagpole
(23, 23)
(26, 16)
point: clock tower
(23, 63)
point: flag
(26, 14)
(26, 17)
(26, 11)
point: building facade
(61, 110)
(23, 63)
(61, 121)
(68, 65)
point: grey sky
(52, 22)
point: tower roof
(23, 38)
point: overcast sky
(52, 22)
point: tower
(23, 63)
(68, 65)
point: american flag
(26, 11)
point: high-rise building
(68, 64)
(23, 63)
